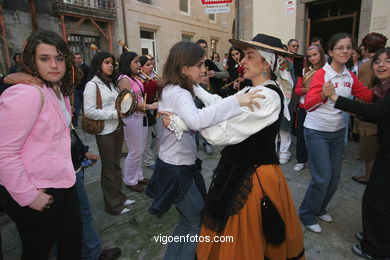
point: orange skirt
(246, 228)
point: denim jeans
(189, 209)
(301, 146)
(325, 150)
(91, 244)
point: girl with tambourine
(150, 80)
(110, 139)
(135, 126)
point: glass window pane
(186, 38)
(146, 1)
(147, 34)
(184, 6)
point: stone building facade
(310, 18)
(153, 26)
(147, 26)
(80, 22)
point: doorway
(328, 17)
(148, 43)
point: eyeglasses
(295, 46)
(342, 48)
(379, 62)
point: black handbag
(274, 229)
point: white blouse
(108, 112)
(236, 129)
(182, 151)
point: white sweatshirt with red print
(321, 114)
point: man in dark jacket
(79, 89)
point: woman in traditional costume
(248, 172)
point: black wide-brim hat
(262, 42)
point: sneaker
(359, 236)
(208, 149)
(357, 250)
(124, 211)
(299, 167)
(316, 228)
(283, 161)
(129, 202)
(326, 218)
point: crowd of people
(251, 102)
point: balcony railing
(104, 9)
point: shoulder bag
(91, 126)
(274, 229)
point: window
(184, 6)
(89, 3)
(212, 17)
(146, 1)
(186, 38)
(81, 44)
(213, 46)
(148, 43)
(147, 34)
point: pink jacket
(34, 143)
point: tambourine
(126, 102)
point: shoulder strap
(258, 179)
(99, 104)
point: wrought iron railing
(103, 5)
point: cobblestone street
(134, 231)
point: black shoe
(359, 236)
(110, 253)
(357, 250)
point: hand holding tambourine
(126, 103)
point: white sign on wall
(290, 6)
(217, 9)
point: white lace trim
(178, 126)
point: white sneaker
(124, 211)
(316, 228)
(326, 218)
(283, 161)
(299, 167)
(129, 202)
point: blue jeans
(91, 244)
(189, 223)
(325, 150)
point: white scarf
(283, 76)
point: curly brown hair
(28, 64)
